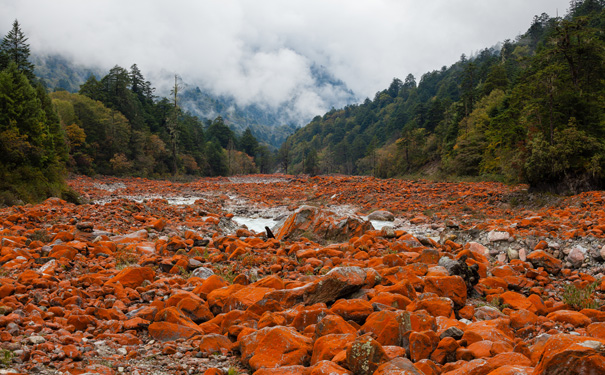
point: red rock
(275, 347)
(329, 368)
(365, 355)
(213, 343)
(166, 331)
(81, 322)
(421, 346)
(337, 283)
(452, 287)
(352, 309)
(571, 317)
(516, 301)
(385, 326)
(132, 277)
(572, 355)
(541, 259)
(398, 366)
(333, 324)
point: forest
(530, 110)
(112, 126)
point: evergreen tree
(15, 49)
(248, 143)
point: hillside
(270, 125)
(530, 110)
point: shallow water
(254, 224)
(259, 224)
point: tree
(248, 143)
(172, 124)
(311, 162)
(284, 156)
(15, 49)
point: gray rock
(495, 236)
(453, 332)
(202, 272)
(381, 215)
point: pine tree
(15, 49)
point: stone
(202, 272)
(381, 215)
(398, 366)
(452, 287)
(365, 355)
(274, 347)
(539, 258)
(572, 355)
(495, 236)
(132, 277)
(576, 256)
(337, 283)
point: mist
(262, 52)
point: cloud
(263, 51)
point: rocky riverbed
(355, 275)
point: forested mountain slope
(531, 110)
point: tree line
(113, 126)
(530, 110)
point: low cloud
(263, 52)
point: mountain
(530, 110)
(271, 125)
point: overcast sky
(261, 50)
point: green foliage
(6, 357)
(116, 126)
(530, 112)
(15, 50)
(581, 298)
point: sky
(261, 51)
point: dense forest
(531, 110)
(112, 126)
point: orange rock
(421, 346)
(365, 355)
(401, 366)
(352, 309)
(132, 277)
(385, 326)
(329, 368)
(326, 347)
(452, 287)
(333, 324)
(275, 347)
(571, 317)
(576, 355)
(213, 343)
(337, 283)
(166, 331)
(445, 351)
(522, 318)
(541, 259)
(516, 301)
